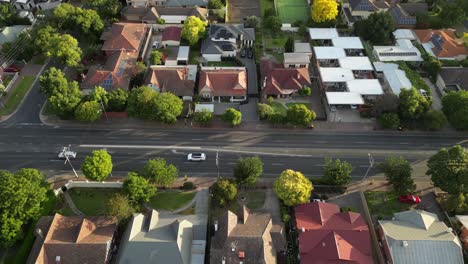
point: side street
(233, 131)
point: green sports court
(292, 10)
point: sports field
(293, 10)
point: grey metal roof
(418, 237)
(455, 76)
(216, 47)
(179, 3)
(231, 31)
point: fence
(374, 238)
(87, 184)
(12, 81)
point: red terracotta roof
(118, 68)
(286, 81)
(331, 236)
(225, 82)
(126, 36)
(450, 47)
(171, 33)
(77, 240)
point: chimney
(303, 229)
(57, 260)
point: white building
(394, 77)
(403, 50)
(296, 60)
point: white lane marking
(197, 139)
(277, 164)
(138, 147)
(231, 163)
(361, 142)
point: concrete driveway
(252, 84)
(436, 101)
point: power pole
(64, 151)
(371, 165)
(103, 108)
(217, 162)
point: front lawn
(92, 201)
(255, 199)
(279, 108)
(171, 200)
(194, 55)
(289, 105)
(16, 95)
(384, 204)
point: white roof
(302, 47)
(21, 1)
(365, 86)
(356, 63)
(348, 43)
(183, 54)
(336, 74)
(404, 34)
(395, 77)
(323, 33)
(344, 98)
(463, 220)
(404, 51)
(328, 53)
(294, 58)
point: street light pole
(371, 165)
(217, 162)
(64, 151)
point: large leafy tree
(324, 10)
(449, 169)
(159, 172)
(398, 171)
(247, 170)
(300, 115)
(141, 102)
(97, 166)
(117, 100)
(168, 107)
(88, 111)
(389, 120)
(434, 120)
(455, 107)
(252, 22)
(377, 28)
(99, 95)
(138, 188)
(84, 21)
(21, 197)
(61, 47)
(223, 191)
(194, 29)
(337, 172)
(273, 23)
(215, 4)
(53, 81)
(8, 16)
(452, 13)
(106, 8)
(413, 104)
(119, 206)
(293, 188)
(232, 116)
(156, 57)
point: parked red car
(11, 69)
(409, 198)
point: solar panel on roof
(107, 83)
(121, 67)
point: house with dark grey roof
(168, 238)
(247, 237)
(224, 40)
(355, 10)
(171, 15)
(404, 14)
(452, 79)
(168, 3)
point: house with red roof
(131, 37)
(171, 36)
(223, 84)
(327, 235)
(442, 44)
(179, 80)
(283, 82)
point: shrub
(434, 120)
(264, 111)
(306, 91)
(188, 186)
(389, 120)
(203, 117)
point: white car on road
(196, 157)
(68, 153)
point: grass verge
(171, 200)
(17, 95)
(90, 201)
(255, 199)
(384, 204)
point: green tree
(305, 91)
(337, 172)
(293, 188)
(264, 111)
(434, 120)
(289, 45)
(273, 23)
(141, 102)
(89, 111)
(156, 57)
(277, 118)
(97, 166)
(193, 29)
(232, 116)
(300, 115)
(106, 8)
(138, 188)
(451, 14)
(432, 66)
(252, 22)
(64, 103)
(119, 206)
(168, 107)
(247, 170)
(64, 48)
(160, 173)
(53, 81)
(449, 169)
(203, 117)
(223, 191)
(117, 100)
(455, 108)
(389, 120)
(70, 18)
(457, 204)
(99, 95)
(413, 104)
(324, 10)
(398, 171)
(215, 4)
(21, 199)
(377, 28)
